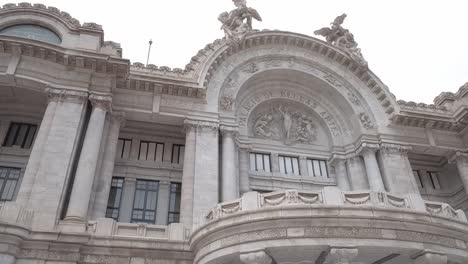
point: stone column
(342, 180)
(372, 169)
(84, 178)
(341, 255)
(303, 167)
(396, 169)
(260, 257)
(427, 257)
(206, 177)
(186, 203)
(229, 180)
(357, 174)
(128, 194)
(163, 202)
(107, 169)
(34, 161)
(462, 165)
(275, 163)
(52, 156)
(244, 181)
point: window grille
(317, 168)
(115, 198)
(178, 154)
(21, 135)
(289, 165)
(174, 203)
(9, 178)
(145, 202)
(151, 151)
(260, 162)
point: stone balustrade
(108, 227)
(332, 196)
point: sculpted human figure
(238, 22)
(263, 127)
(287, 120)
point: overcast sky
(419, 48)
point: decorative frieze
(62, 95)
(103, 102)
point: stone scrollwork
(259, 257)
(226, 102)
(290, 197)
(366, 121)
(342, 38)
(238, 22)
(282, 123)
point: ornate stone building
(269, 147)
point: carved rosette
(366, 121)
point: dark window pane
(9, 178)
(21, 135)
(174, 203)
(145, 201)
(115, 197)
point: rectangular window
(434, 176)
(115, 198)
(418, 178)
(178, 154)
(9, 178)
(317, 168)
(21, 135)
(145, 202)
(152, 151)
(174, 203)
(260, 162)
(124, 147)
(289, 165)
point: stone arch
(215, 66)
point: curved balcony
(331, 227)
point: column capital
(458, 156)
(394, 148)
(259, 257)
(353, 159)
(367, 148)
(337, 159)
(118, 118)
(62, 95)
(103, 102)
(229, 131)
(200, 125)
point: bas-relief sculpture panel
(287, 122)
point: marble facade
(269, 147)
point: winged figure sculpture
(238, 22)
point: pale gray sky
(417, 47)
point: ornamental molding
(65, 95)
(95, 62)
(64, 17)
(200, 125)
(103, 102)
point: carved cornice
(65, 17)
(459, 157)
(96, 62)
(103, 102)
(64, 95)
(449, 96)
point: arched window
(32, 32)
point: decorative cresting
(342, 38)
(65, 17)
(238, 22)
(330, 196)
